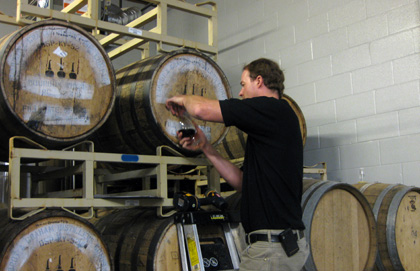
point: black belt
(255, 237)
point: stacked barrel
(51, 240)
(140, 121)
(57, 85)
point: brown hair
(270, 72)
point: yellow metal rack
(133, 36)
(93, 193)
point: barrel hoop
(375, 211)
(122, 237)
(312, 204)
(364, 187)
(226, 145)
(156, 240)
(309, 192)
(120, 122)
(147, 94)
(134, 116)
(390, 228)
(379, 200)
(137, 245)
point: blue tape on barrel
(129, 158)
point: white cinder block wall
(353, 66)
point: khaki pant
(270, 256)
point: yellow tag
(192, 250)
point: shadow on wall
(232, 36)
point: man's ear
(260, 81)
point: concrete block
(416, 35)
(404, 17)
(337, 134)
(273, 6)
(392, 47)
(368, 30)
(228, 58)
(360, 155)
(293, 13)
(297, 54)
(351, 59)
(355, 106)
(251, 13)
(317, 7)
(263, 26)
(345, 15)
(333, 87)
(319, 114)
(313, 27)
(407, 68)
(409, 120)
(251, 50)
(279, 39)
(312, 139)
(314, 70)
(372, 77)
(397, 97)
(400, 149)
(330, 43)
(303, 95)
(411, 173)
(227, 25)
(290, 77)
(377, 127)
(375, 7)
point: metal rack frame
(92, 194)
(136, 36)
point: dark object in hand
(187, 132)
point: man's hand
(176, 105)
(195, 143)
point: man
(271, 177)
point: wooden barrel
(51, 240)
(299, 114)
(140, 240)
(340, 226)
(398, 222)
(233, 145)
(57, 84)
(140, 122)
